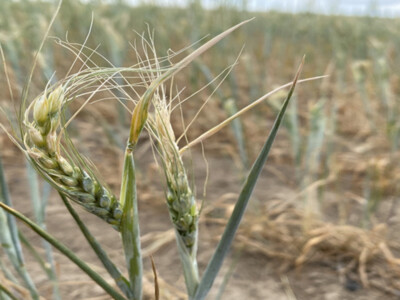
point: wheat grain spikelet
(42, 144)
(180, 199)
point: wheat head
(42, 142)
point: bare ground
(254, 276)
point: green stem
(39, 208)
(66, 251)
(7, 292)
(119, 279)
(45, 266)
(189, 264)
(18, 261)
(130, 232)
(10, 276)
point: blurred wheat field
(324, 218)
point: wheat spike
(180, 198)
(44, 150)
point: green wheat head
(63, 167)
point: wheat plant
(44, 139)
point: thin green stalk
(130, 231)
(189, 265)
(35, 254)
(6, 241)
(9, 275)
(313, 153)
(231, 108)
(120, 280)
(64, 250)
(39, 208)
(117, 56)
(18, 261)
(366, 101)
(7, 292)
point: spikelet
(43, 147)
(180, 199)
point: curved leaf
(225, 243)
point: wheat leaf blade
(226, 240)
